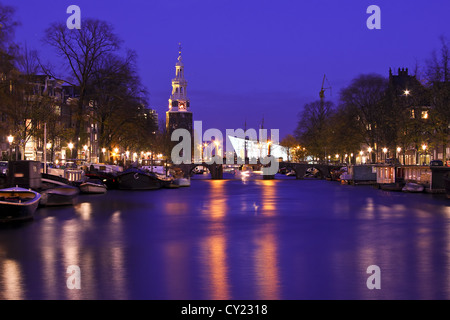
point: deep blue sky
(248, 59)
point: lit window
(412, 114)
(425, 114)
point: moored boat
(63, 195)
(93, 186)
(106, 173)
(18, 204)
(249, 172)
(413, 187)
(136, 179)
(182, 182)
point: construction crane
(322, 90)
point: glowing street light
(424, 147)
(49, 145)
(406, 92)
(116, 150)
(10, 140)
(399, 149)
(103, 150)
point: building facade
(179, 115)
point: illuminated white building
(253, 149)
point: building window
(412, 114)
(425, 114)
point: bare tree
(81, 49)
(438, 76)
(365, 95)
(311, 129)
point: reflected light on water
(269, 197)
(214, 254)
(176, 208)
(84, 210)
(117, 257)
(266, 265)
(12, 280)
(176, 253)
(217, 205)
(49, 255)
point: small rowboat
(60, 196)
(413, 187)
(93, 186)
(18, 204)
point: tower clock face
(181, 106)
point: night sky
(247, 59)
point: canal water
(281, 239)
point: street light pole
(10, 140)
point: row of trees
(381, 113)
(105, 78)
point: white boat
(18, 204)
(182, 182)
(249, 172)
(291, 173)
(413, 187)
(64, 195)
(93, 186)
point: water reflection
(216, 206)
(226, 240)
(269, 196)
(12, 280)
(266, 265)
(215, 258)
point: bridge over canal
(300, 169)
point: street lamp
(406, 92)
(370, 153)
(203, 151)
(385, 150)
(217, 147)
(10, 140)
(424, 148)
(70, 145)
(85, 147)
(269, 143)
